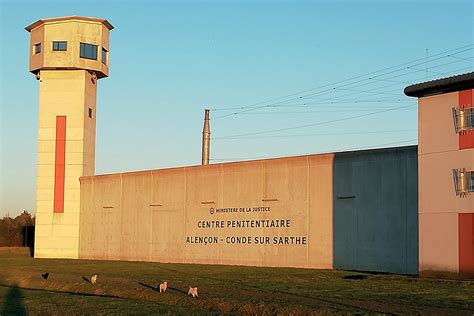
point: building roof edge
(443, 85)
(34, 25)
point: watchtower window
(37, 48)
(104, 56)
(88, 51)
(60, 46)
(90, 113)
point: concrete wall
(159, 215)
(375, 210)
(162, 215)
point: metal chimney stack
(206, 139)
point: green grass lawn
(128, 288)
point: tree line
(18, 231)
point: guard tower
(67, 55)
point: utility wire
(338, 101)
(344, 110)
(253, 106)
(316, 94)
(322, 92)
(456, 57)
(462, 48)
(332, 90)
(316, 124)
(346, 100)
(339, 150)
(374, 91)
(320, 134)
(371, 92)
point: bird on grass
(45, 275)
(94, 279)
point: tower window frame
(91, 113)
(104, 55)
(37, 48)
(88, 51)
(59, 46)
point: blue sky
(171, 60)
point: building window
(88, 51)
(463, 119)
(90, 113)
(471, 182)
(37, 48)
(463, 182)
(60, 46)
(104, 56)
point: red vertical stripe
(466, 242)
(60, 164)
(465, 100)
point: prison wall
(274, 212)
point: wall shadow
(158, 289)
(375, 210)
(178, 290)
(14, 303)
(147, 286)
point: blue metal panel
(376, 210)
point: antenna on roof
(426, 63)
